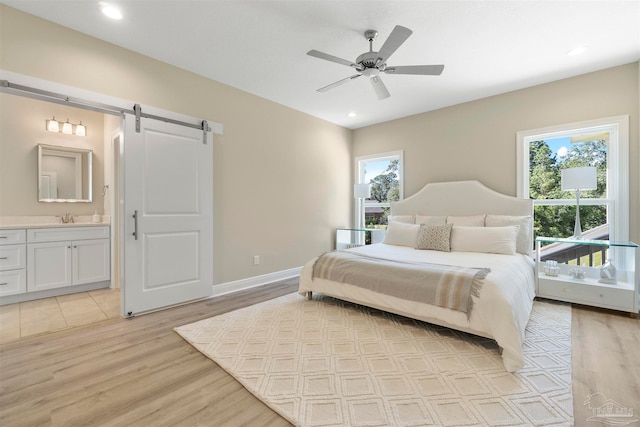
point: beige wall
(477, 140)
(282, 178)
(22, 128)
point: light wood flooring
(35, 317)
(138, 372)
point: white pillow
(431, 220)
(467, 221)
(401, 234)
(491, 240)
(524, 245)
(405, 219)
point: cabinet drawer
(39, 235)
(13, 282)
(587, 293)
(12, 257)
(12, 237)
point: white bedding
(501, 312)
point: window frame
(617, 197)
(359, 177)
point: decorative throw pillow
(467, 221)
(435, 237)
(491, 240)
(524, 243)
(401, 234)
(431, 220)
(405, 219)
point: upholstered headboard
(462, 198)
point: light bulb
(110, 11)
(67, 128)
(81, 130)
(52, 125)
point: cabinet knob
(68, 247)
(75, 246)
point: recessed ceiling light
(352, 114)
(577, 51)
(110, 11)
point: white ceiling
(488, 47)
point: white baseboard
(252, 282)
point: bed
(500, 309)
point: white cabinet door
(13, 282)
(49, 265)
(12, 257)
(91, 261)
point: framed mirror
(64, 174)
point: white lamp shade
(362, 191)
(582, 178)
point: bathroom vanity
(39, 261)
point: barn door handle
(135, 224)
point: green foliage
(386, 186)
(545, 183)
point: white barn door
(167, 215)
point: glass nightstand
(353, 237)
(578, 271)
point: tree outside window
(384, 173)
(555, 210)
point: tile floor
(52, 314)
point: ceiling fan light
(371, 72)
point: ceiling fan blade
(425, 70)
(379, 87)
(396, 38)
(338, 83)
(327, 57)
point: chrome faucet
(67, 218)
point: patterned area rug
(330, 363)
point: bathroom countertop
(51, 225)
(14, 222)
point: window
(544, 153)
(383, 172)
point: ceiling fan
(372, 63)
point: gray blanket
(436, 284)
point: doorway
(112, 196)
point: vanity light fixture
(81, 130)
(52, 125)
(67, 127)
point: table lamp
(579, 179)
